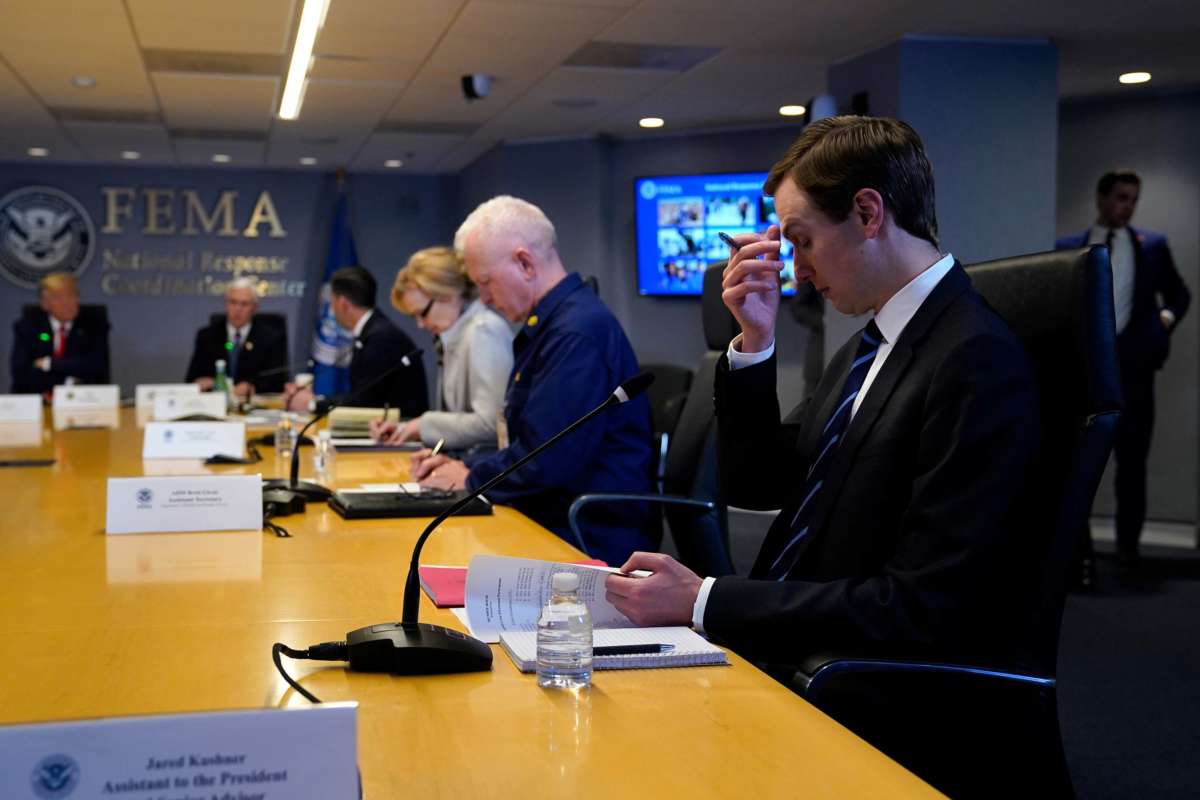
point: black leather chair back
(93, 313)
(1060, 305)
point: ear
(525, 261)
(868, 211)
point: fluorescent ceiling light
(393, 163)
(792, 111)
(651, 122)
(311, 20)
(308, 161)
(221, 158)
(38, 152)
(1135, 77)
(130, 155)
(83, 81)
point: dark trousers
(1131, 446)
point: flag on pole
(332, 345)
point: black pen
(727, 239)
(631, 649)
(385, 410)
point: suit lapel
(880, 392)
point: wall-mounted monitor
(678, 217)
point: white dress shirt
(477, 358)
(232, 333)
(57, 328)
(1124, 266)
(362, 323)
(892, 319)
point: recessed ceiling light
(221, 158)
(83, 81)
(308, 161)
(651, 122)
(38, 152)
(1135, 77)
(312, 17)
(130, 155)
(792, 111)
(393, 163)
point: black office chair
(667, 395)
(979, 730)
(93, 315)
(692, 506)
(268, 319)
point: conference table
(95, 626)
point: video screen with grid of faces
(678, 218)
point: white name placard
(81, 398)
(193, 439)
(185, 503)
(174, 406)
(21, 408)
(145, 393)
(271, 754)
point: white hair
(248, 284)
(511, 217)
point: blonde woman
(474, 346)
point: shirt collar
(553, 299)
(362, 323)
(231, 332)
(56, 323)
(1100, 232)
(897, 312)
(455, 331)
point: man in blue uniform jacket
(568, 357)
(1150, 299)
(60, 342)
(902, 480)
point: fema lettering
(167, 212)
(55, 777)
(43, 230)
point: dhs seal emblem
(144, 496)
(54, 777)
(43, 230)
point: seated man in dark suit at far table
(378, 346)
(902, 481)
(255, 354)
(60, 343)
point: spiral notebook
(691, 649)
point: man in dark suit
(59, 343)
(1149, 299)
(378, 346)
(255, 354)
(901, 480)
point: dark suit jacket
(379, 348)
(264, 349)
(1145, 342)
(915, 543)
(85, 359)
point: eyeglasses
(428, 307)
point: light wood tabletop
(94, 625)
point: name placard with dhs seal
(146, 393)
(86, 398)
(193, 439)
(184, 503)
(270, 754)
(174, 406)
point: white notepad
(691, 649)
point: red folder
(447, 586)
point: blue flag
(332, 345)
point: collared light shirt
(362, 323)
(1124, 267)
(892, 319)
(232, 333)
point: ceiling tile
(106, 141)
(216, 102)
(199, 152)
(385, 29)
(221, 26)
(420, 152)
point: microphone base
(416, 648)
(312, 492)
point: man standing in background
(1150, 299)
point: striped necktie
(835, 426)
(235, 354)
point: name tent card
(21, 408)
(146, 393)
(193, 439)
(309, 753)
(186, 503)
(86, 398)
(174, 406)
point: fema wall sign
(43, 230)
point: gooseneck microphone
(315, 491)
(410, 647)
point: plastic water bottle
(564, 637)
(221, 384)
(285, 436)
(323, 454)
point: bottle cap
(220, 363)
(565, 581)
(325, 435)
